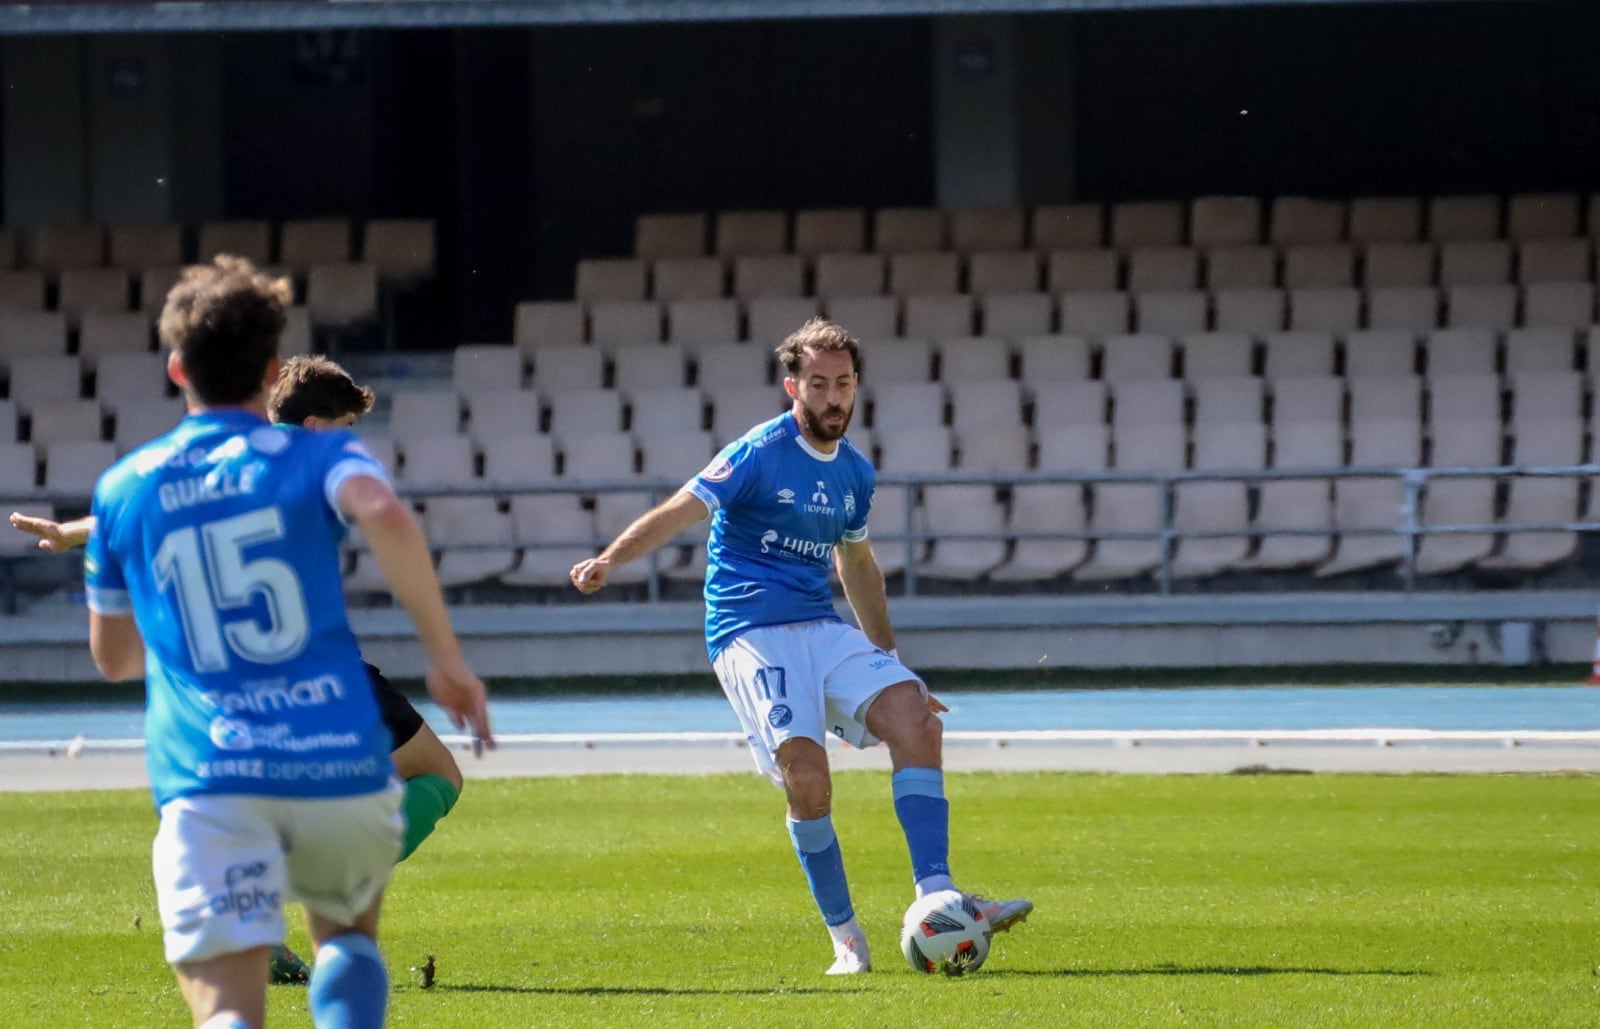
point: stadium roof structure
(70, 16)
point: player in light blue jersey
(213, 573)
(790, 502)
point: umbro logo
(786, 496)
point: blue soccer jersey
(779, 508)
(221, 539)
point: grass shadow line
(617, 991)
(1230, 970)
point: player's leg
(766, 674)
(227, 992)
(350, 985)
(430, 772)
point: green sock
(428, 799)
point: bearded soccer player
(316, 393)
(790, 500)
(209, 573)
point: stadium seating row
(102, 334)
(1303, 266)
(1204, 222)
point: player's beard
(819, 429)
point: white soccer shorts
(807, 679)
(226, 864)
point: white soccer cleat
(1003, 914)
(850, 957)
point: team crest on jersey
(718, 470)
(820, 494)
(786, 496)
(849, 504)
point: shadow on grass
(1241, 970)
(618, 991)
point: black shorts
(403, 720)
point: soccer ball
(945, 932)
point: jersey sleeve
(346, 458)
(855, 529)
(105, 586)
(727, 477)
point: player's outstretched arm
(650, 530)
(56, 537)
(401, 551)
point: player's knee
(900, 716)
(807, 781)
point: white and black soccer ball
(945, 932)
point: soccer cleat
(850, 957)
(1003, 914)
(285, 967)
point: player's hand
(936, 705)
(588, 576)
(454, 687)
(51, 535)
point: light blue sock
(349, 984)
(925, 819)
(823, 862)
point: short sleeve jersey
(221, 540)
(779, 507)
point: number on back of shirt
(210, 576)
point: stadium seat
(1545, 395)
(1372, 503)
(691, 322)
(1094, 314)
(19, 475)
(1293, 354)
(1224, 221)
(1480, 307)
(669, 235)
(1133, 507)
(1457, 396)
(1460, 443)
(1253, 311)
(737, 410)
(887, 522)
(1145, 355)
(657, 408)
(106, 333)
(1385, 220)
(478, 368)
(1323, 310)
(903, 230)
(304, 244)
(538, 322)
(8, 423)
(773, 276)
(993, 448)
(518, 460)
(720, 365)
(380, 445)
(431, 461)
(965, 358)
(1297, 504)
(66, 421)
(614, 511)
(138, 422)
(1390, 398)
(912, 449)
(1539, 350)
(1533, 500)
(625, 321)
(768, 321)
(575, 412)
(32, 334)
(865, 317)
(598, 454)
(251, 240)
(1047, 357)
(1067, 227)
(849, 275)
(1146, 224)
(1063, 403)
(954, 510)
(154, 285)
(1216, 506)
(1209, 355)
(1228, 401)
(1555, 260)
(91, 289)
(1376, 352)
(417, 413)
(899, 405)
(942, 314)
(689, 278)
(560, 366)
(1462, 351)
(555, 532)
(402, 249)
(498, 412)
(1542, 216)
(1083, 271)
(981, 402)
(1044, 508)
(885, 361)
(342, 295)
(1309, 398)
(751, 233)
(474, 538)
(1242, 267)
(1081, 446)
(55, 248)
(1475, 263)
(1319, 266)
(1172, 312)
(22, 290)
(72, 468)
(44, 379)
(674, 455)
(1400, 264)
(1460, 218)
(121, 379)
(975, 229)
(133, 247)
(1014, 315)
(1568, 304)
(1163, 269)
(924, 272)
(1296, 220)
(836, 230)
(604, 278)
(1413, 309)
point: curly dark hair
(223, 320)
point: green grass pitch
(664, 901)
